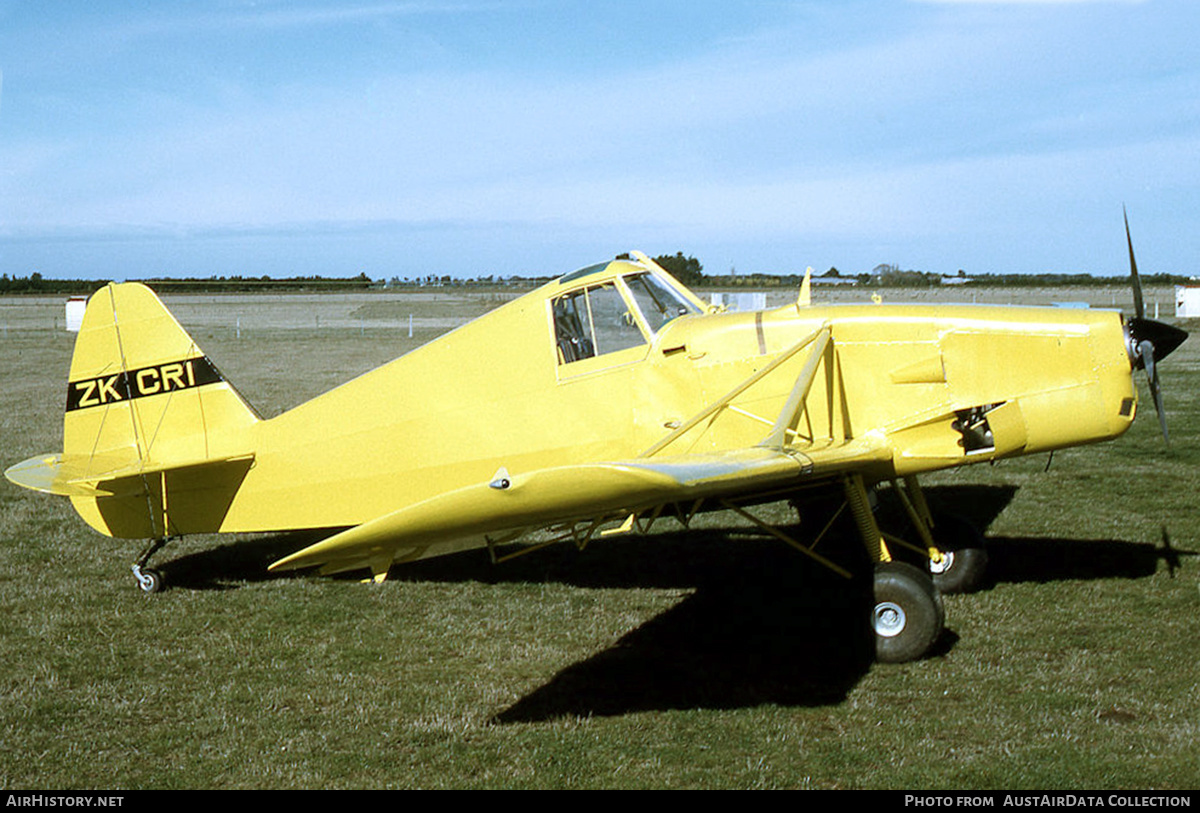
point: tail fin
(141, 392)
(142, 400)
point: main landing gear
(907, 617)
(951, 547)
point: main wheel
(907, 616)
(964, 555)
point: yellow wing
(572, 493)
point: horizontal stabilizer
(87, 476)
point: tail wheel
(148, 580)
(907, 616)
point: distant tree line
(890, 276)
(447, 281)
(237, 284)
(35, 283)
(686, 269)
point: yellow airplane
(600, 402)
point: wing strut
(795, 401)
(724, 401)
(778, 534)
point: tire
(907, 616)
(149, 581)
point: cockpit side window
(573, 328)
(615, 326)
(592, 322)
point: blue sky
(526, 137)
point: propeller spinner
(1149, 341)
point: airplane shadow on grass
(763, 623)
(230, 565)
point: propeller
(1149, 341)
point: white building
(749, 301)
(76, 305)
(1187, 301)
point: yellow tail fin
(141, 392)
(154, 437)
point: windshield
(658, 302)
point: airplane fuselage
(942, 385)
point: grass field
(710, 659)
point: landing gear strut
(963, 560)
(955, 548)
(148, 579)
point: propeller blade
(1150, 342)
(1139, 307)
(1146, 351)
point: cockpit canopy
(615, 313)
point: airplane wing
(572, 493)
